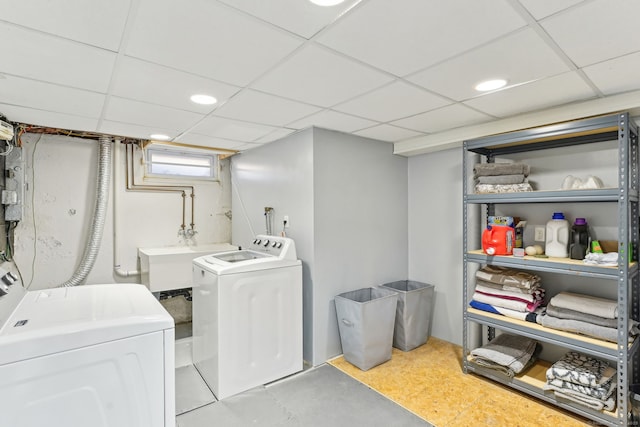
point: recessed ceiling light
(160, 137)
(488, 85)
(203, 99)
(326, 2)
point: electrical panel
(13, 193)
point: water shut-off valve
(7, 279)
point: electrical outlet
(286, 221)
(539, 234)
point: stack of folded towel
(509, 292)
(586, 315)
(583, 379)
(501, 177)
(509, 354)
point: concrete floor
(319, 397)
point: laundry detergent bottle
(579, 239)
(557, 238)
(498, 240)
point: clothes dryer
(95, 355)
(247, 315)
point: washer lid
(226, 258)
(60, 319)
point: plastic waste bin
(366, 320)
(413, 313)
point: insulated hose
(99, 215)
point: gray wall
(435, 235)
(346, 198)
(278, 175)
(360, 191)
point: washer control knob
(279, 245)
(273, 245)
(266, 243)
(257, 242)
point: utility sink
(168, 268)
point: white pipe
(117, 187)
(99, 215)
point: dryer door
(115, 384)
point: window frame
(187, 152)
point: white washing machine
(247, 315)
(95, 355)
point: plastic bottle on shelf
(557, 236)
(579, 239)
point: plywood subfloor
(429, 382)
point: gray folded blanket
(565, 313)
(501, 179)
(587, 304)
(493, 169)
(511, 351)
(588, 329)
(608, 404)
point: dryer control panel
(282, 247)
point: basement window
(170, 162)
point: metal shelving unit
(626, 276)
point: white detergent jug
(557, 238)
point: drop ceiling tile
(50, 97)
(546, 93)
(403, 40)
(333, 120)
(98, 23)
(449, 117)
(52, 59)
(300, 17)
(155, 84)
(392, 102)
(132, 130)
(542, 8)
(387, 133)
(318, 76)
(209, 141)
(259, 107)
(32, 116)
(220, 127)
(144, 114)
(207, 38)
(616, 75)
(596, 31)
(519, 57)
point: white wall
(59, 202)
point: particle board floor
(429, 382)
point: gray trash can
(365, 320)
(413, 313)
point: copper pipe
(132, 186)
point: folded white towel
(609, 259)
